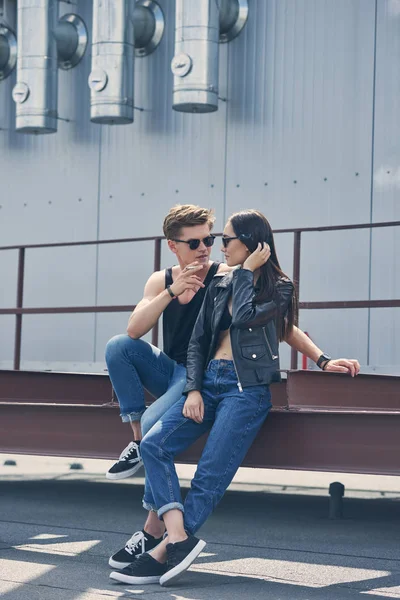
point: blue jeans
(136, 365)
(234, 419)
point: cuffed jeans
(136, 365)
(234, 419)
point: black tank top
(179, 319)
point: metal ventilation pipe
(199, 27)
(8, 51)
(43, 45)
(35, 92)
(120, 30)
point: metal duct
(8, 51)
(200, 26)
(115, 27)
(35, 92)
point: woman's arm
(247, 314)
(199, 345)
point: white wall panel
(299, 112)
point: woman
(232, 358)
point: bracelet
(170, 292)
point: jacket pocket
(254, 352)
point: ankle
(154, 531)
(174, 539)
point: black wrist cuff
(170, 292)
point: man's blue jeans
(234, 418)
(136, 365)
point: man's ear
(172, 246)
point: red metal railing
(19, 310)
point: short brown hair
(186, 215)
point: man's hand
(258, 258)
(343, 365)
(188, 280)
(194, 407)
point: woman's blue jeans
(136, 365)
(234, 419)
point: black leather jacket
(253, 331)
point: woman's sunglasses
(194, 244)
(243, 237)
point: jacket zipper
(273, 356)
(234, 364)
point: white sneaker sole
(125, 474)
(133, 580)
(171, 576)
(120, 565)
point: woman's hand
(194, 407)
(258, 258)
(343, 365)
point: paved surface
(269, 538)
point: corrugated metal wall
(308, 133)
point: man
(134, 365)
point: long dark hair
(252, 228)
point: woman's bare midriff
(224, 348)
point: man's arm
(146, 314)
(298, 340)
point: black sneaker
(140, 542)
(128, 463)
(144, 570)
(179, 558)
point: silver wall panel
(334, 265)
(165, 157)
(299, 112)
(338, 332)
(61, 338)
(60, 277)
(385, 246)
(51, 192)
(7, 331)
(385, 338)
(123, 270)
(8, 278)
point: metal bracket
(72, 38)
(148, 23)
(8, 51)
(233, 16)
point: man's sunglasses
(194, 244)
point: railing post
(296, 281)
(18, 318)
(157, 267)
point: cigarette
(190, 268)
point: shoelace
(137, 538)
(131, 449)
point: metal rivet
(250, 329)
(254, 355)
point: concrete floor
(270, 537)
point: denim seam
(162, 454)
(233, 454)
(156, 368)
